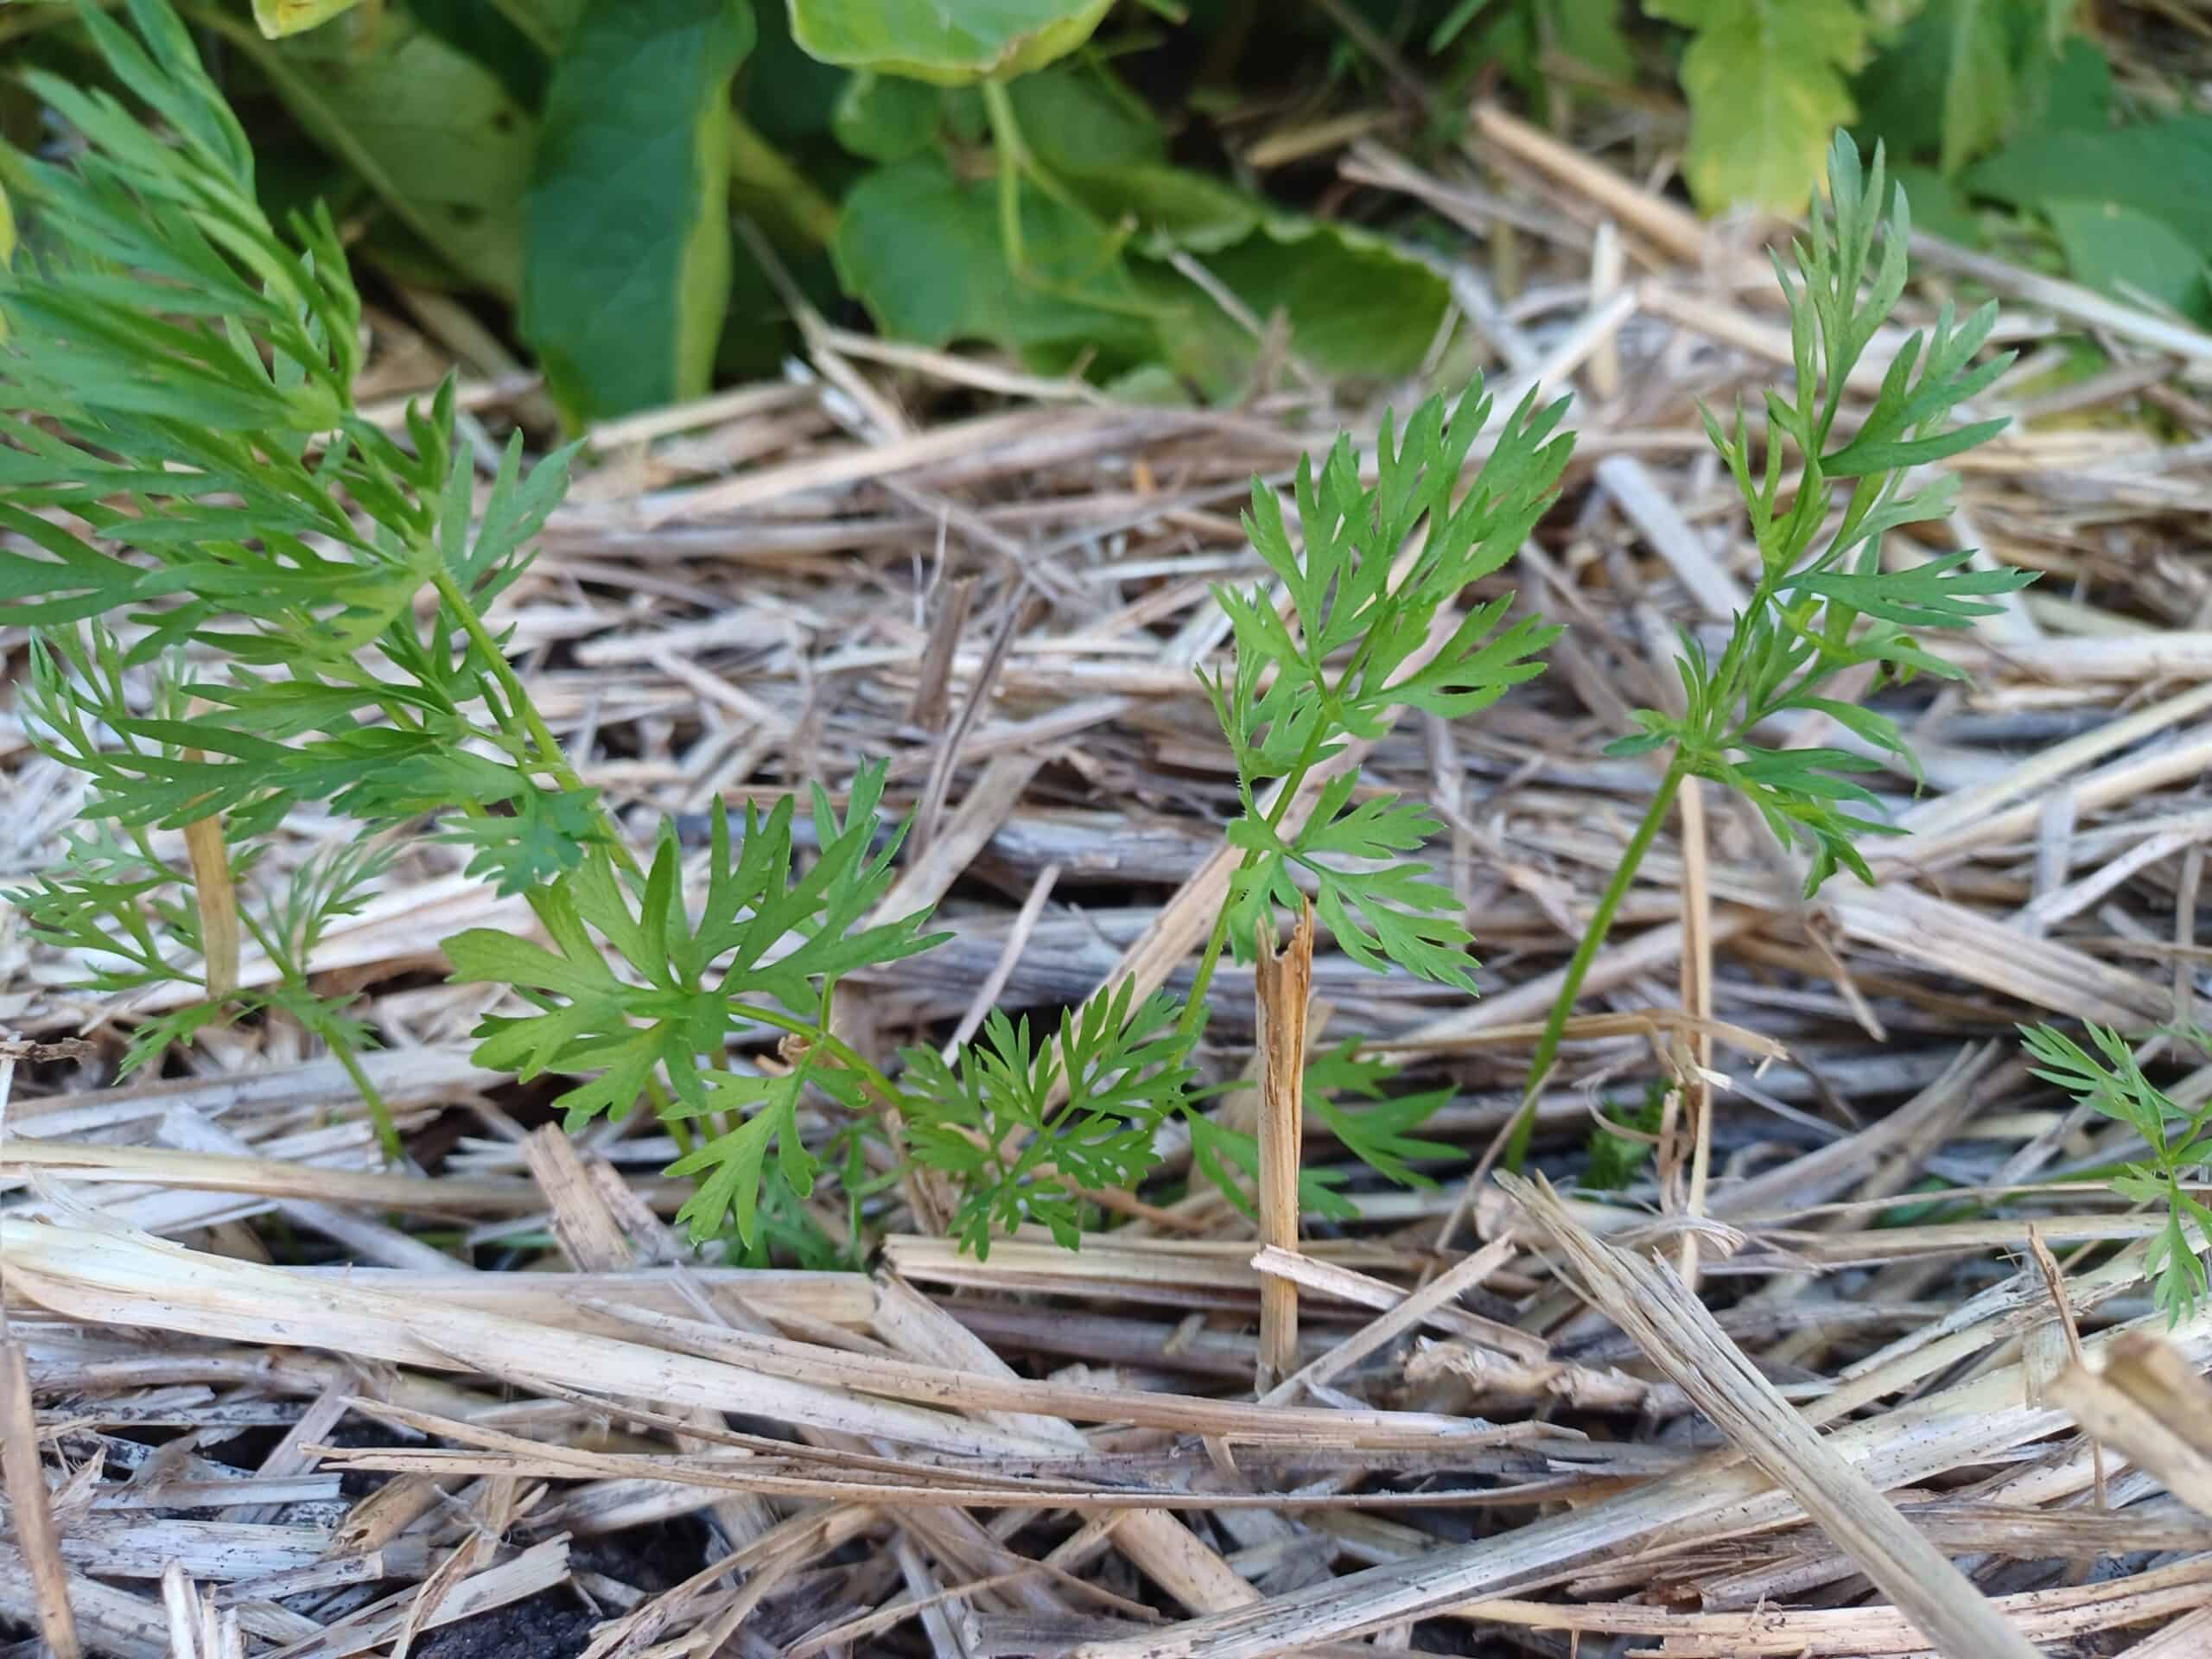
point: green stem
(1014, 161)
(1194, 1005)
(839, 1050)
(678, 1130)
(1724, 689)
(293, 974)
(548, 750)
(552, 761)
(1012, 158)
(379, 1113)
(764, 184)
(545, 749)
(1292, 782)
(1578, 969)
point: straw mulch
(264, 1396)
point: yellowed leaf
(7, 243)
(278, 18)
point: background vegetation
(632, 193)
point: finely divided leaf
(1945, 592)
(545, 838)
(732, 1162)
(989, 1121)
(1379, 909)
(1374, 1134)
(824, 907)
(2117, 1087)
(1230, 1159)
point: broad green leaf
(1356, 305)
(1940, 206)
(790, 97)
(1978, 83)
(886, 118)
(2070, 89)
(1947, 87)
(1589, 31)
(2131, 256)
(626, 256)
(2162, 169)
(1074, 118)
(276, 18)
(1508, 41)
(431, 132)
(1093, 135)
(1174, 207)
(514, 42)
(924, 254)
(1765, 79)
(547, 23)
(949, 44)
(2132, 206)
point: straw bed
(264, 1396)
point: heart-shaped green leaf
(952, 46)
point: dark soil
(557, 1624)
(554, 1625)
